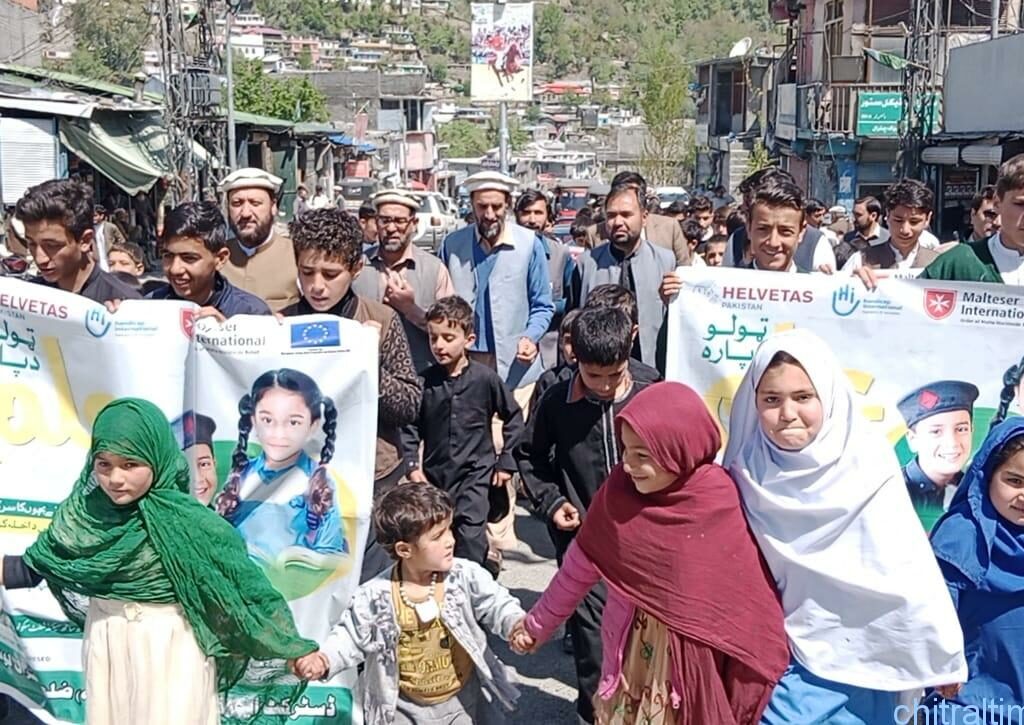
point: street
(546, 678)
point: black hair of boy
(405, 513)
(131, 249)
(602, 337)
(454, 311)
(911, 194)
(606, 296)
(1011, 176)
(565, 326)
(813, 206)
(367, 211)
(692, 231)
(676, 208)
(779, 192)
(333, 232)
(64, 201)
(700, 205)
(197, 220)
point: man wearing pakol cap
(400, 274)
(500, 268)
(940, 423)
(261, 261)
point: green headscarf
(165, 547)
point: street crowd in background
(789, 583)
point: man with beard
(631, 261)
(261, 261)
(400, 274)
(501, 270)
(534, 212)
(661, 230)
(867, 230)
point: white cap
(837, 209)
(490, 181)
(395, 196)
(251, 178)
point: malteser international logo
(939, 303)
(188, 322)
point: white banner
(293, 473)
(897, 343)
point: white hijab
(865, 602)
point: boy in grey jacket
(416, 625)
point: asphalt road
(546, 678)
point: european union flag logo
(316, 334)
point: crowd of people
(789, 583)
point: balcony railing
(832, 108)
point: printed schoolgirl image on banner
(934, 364)
(291, 411)
(62, 359)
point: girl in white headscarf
(867, 611)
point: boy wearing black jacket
(570, 451)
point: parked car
(435, 220)
(669, 194)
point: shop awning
(343, 139)
(129, 149)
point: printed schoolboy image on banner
(62, 358)
(286, 418)
(932, 363)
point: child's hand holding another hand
(313, 666)
(520, 640)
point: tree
(437, 67)
(533, 113)
(549, 32)
(662, 82)
(293, 99)
(305, 59)
(464, 138)
(111, 35)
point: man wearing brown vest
(909, 205)
(400, 274)
(262, 261)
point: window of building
(833, 45)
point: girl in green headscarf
(172, 606)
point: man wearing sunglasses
(984, 214)
(400, 274)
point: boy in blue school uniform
(940, 430)
(193, 250)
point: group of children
(790, 584)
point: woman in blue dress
(979, 543)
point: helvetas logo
(97, 322)
(939, 303)
(844, 301)
(316, 334)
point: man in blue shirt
(501, 269)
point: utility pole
(922, 52)
(230, 85)
(192, 98)
(995, 19)
(503, 137)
